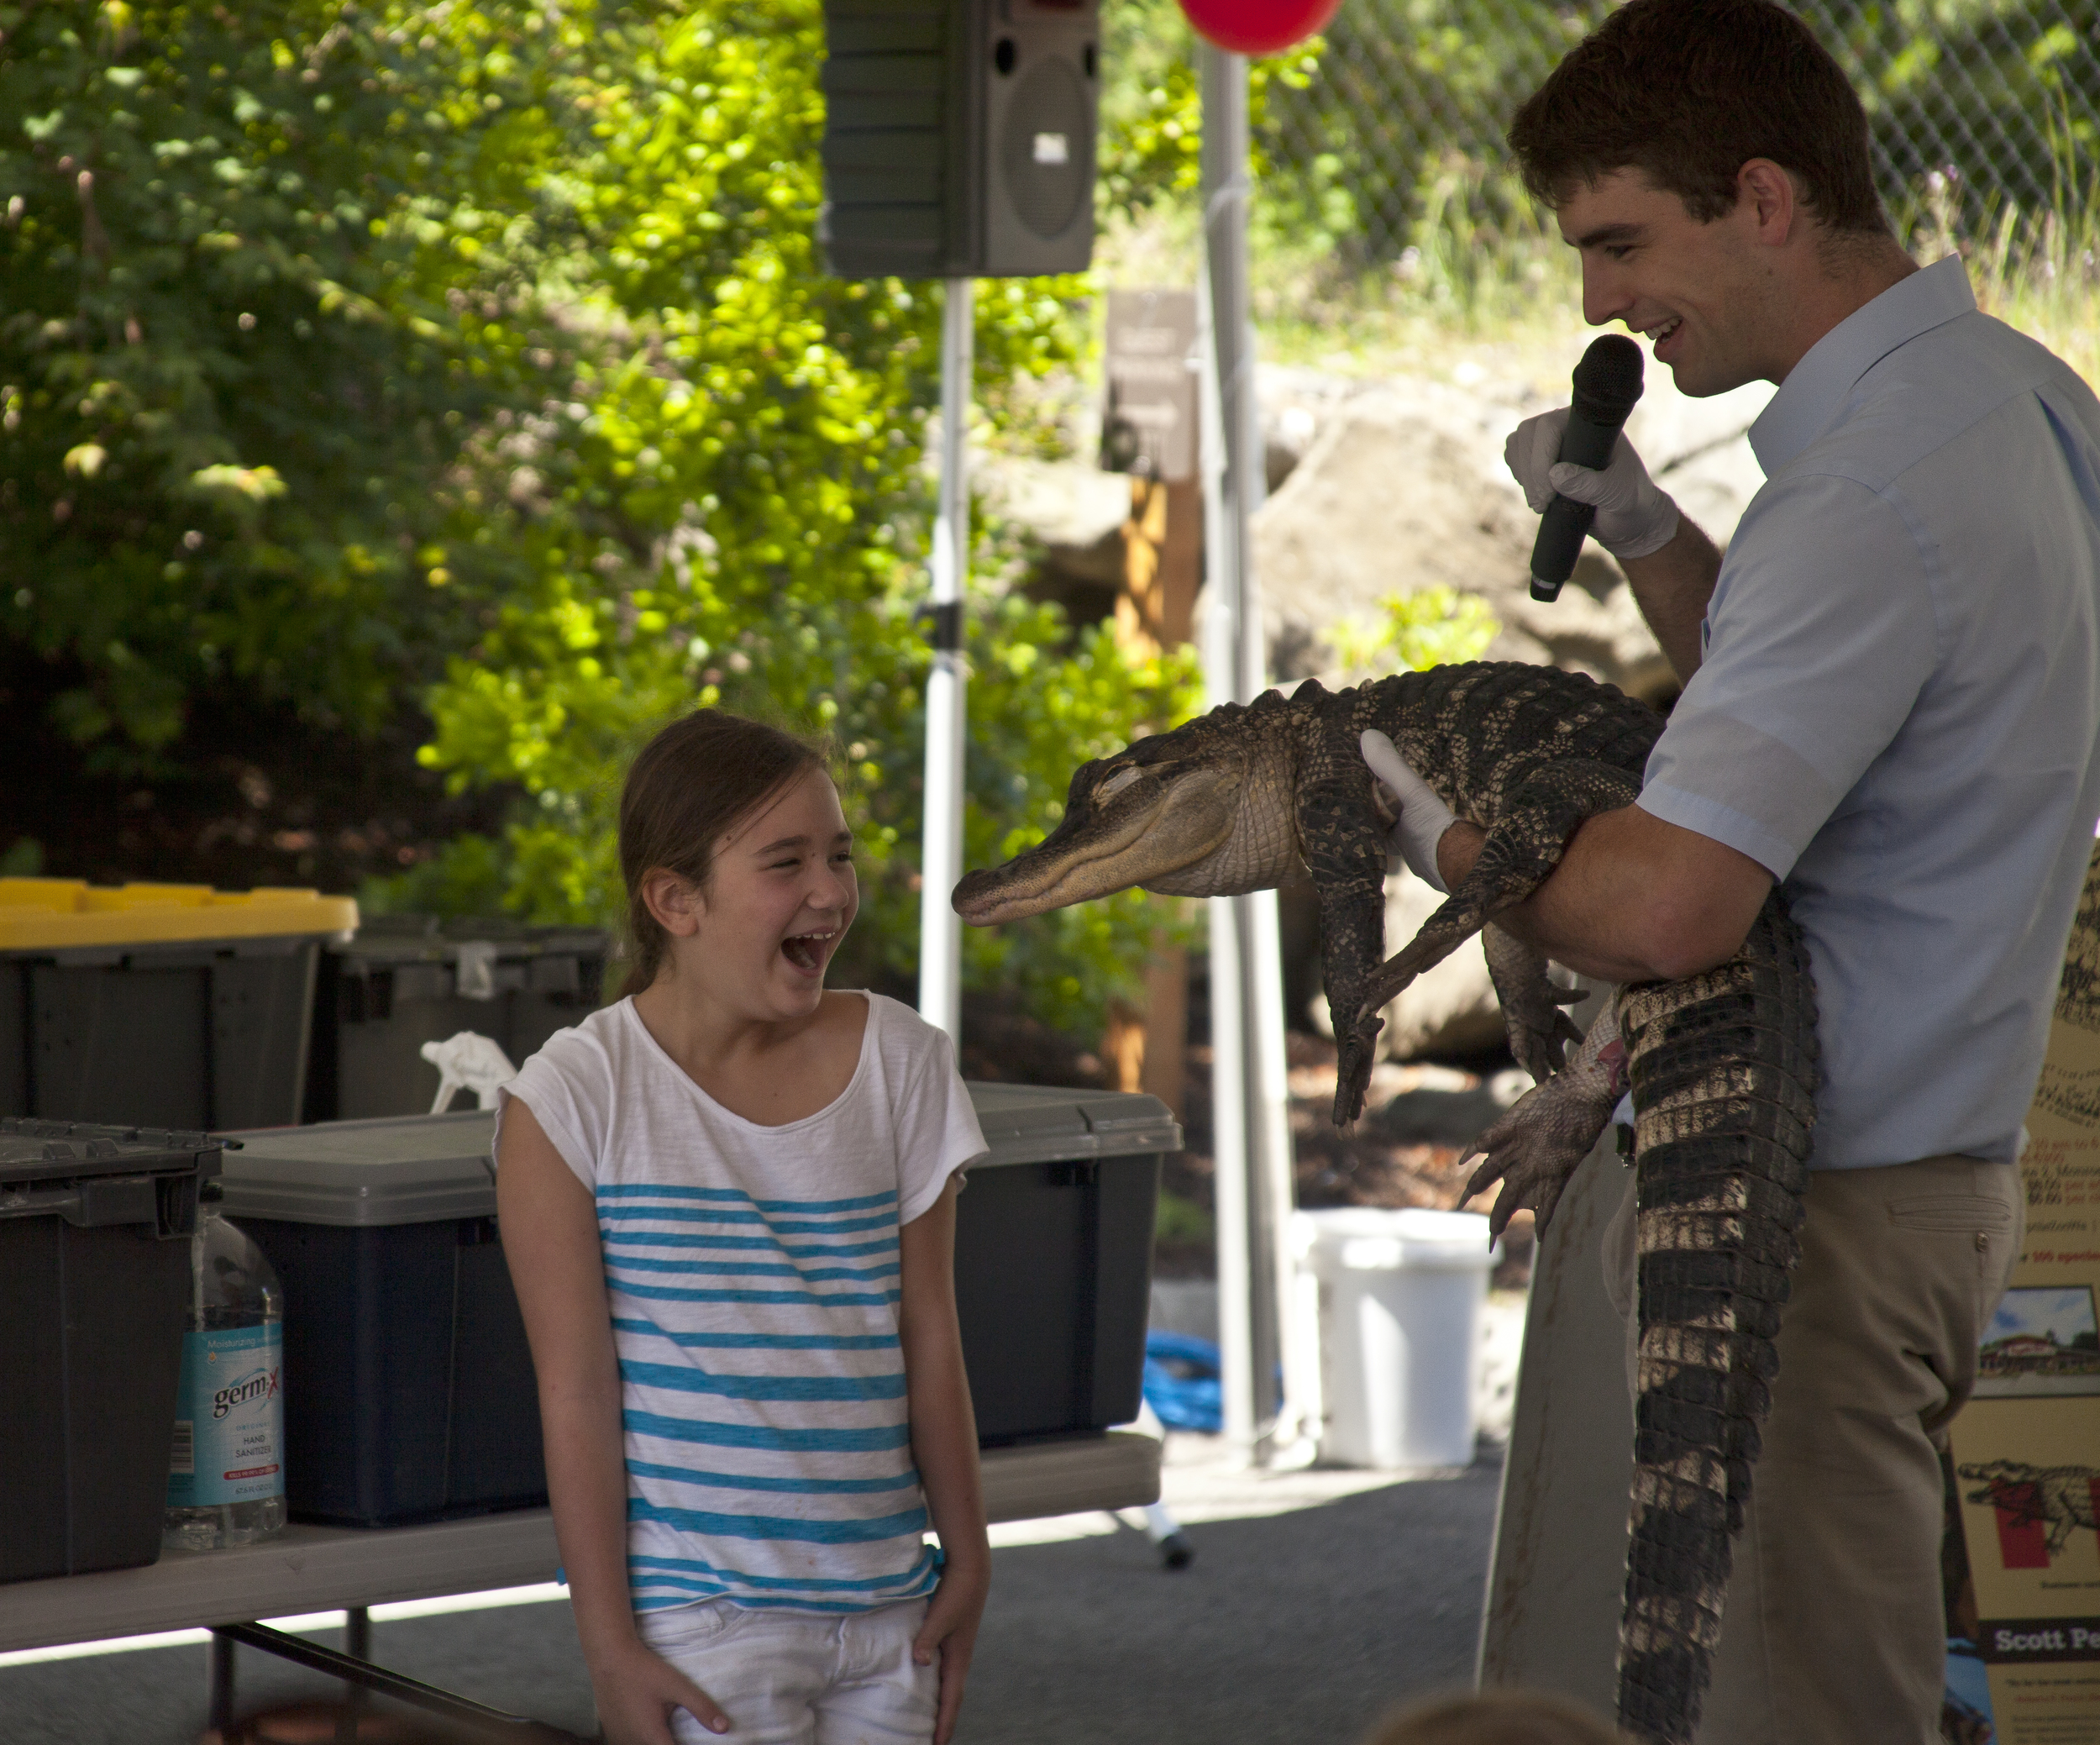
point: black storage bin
(405, 980)
(1053, 1244)
(174, 1006)
(410, 1392)
(95, 1224)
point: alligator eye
(1117, 783)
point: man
(1892, 697)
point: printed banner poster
(2027, 1449)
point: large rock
(1075, 509)
(1698, 451)
(1400, 485)
(1450, 1009)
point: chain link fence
(1406, 114)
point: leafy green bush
(480, 355)
(730, 512)
(236, 346)
(1429, 627)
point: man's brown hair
(1688, 92)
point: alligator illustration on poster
(2060, 1498)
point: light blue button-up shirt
(1898, 705)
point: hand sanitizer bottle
(226, 1480)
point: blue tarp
(1183, 1383)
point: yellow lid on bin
(52, 914)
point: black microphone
(1607, 384)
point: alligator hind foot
(1536, 1146)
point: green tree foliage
(1151, 102)
(1397, 139)
(731, 509)
(360, 354)
(2002, 92)
(1429, 627)
(256, 281)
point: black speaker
(958, 136)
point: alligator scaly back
(1722, 1065)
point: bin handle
(122, 1199)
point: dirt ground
(1408, 1150)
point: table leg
(482, 1720)
(219, 1683)
(357, 1643)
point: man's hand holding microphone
(1636, 516)
(1580, 473)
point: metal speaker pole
(940, 856)
(1263, 1091)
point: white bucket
(1400, 1300)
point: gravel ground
(1317, 1601)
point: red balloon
(1259, 26)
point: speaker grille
(1046, 148)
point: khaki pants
(1833, 1633)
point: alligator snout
(978, 898)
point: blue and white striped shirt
(753, 1275)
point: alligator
(2060, 1498)
(1722, 1065)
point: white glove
(1423, 817)
(1634, 517)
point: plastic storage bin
(95, 1223)
(404, 980)
(176, 1005)
(1053, 1244)
(411, 1394)
(1400, 1296)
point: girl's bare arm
(550, 1238)
(944, 1446)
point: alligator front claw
(1356, 1049)
(1531, 1001)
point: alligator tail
(1724, 1076)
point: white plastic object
(470, 1061)
(473, 971)
(1400, 1296)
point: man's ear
(1767, 195)
(677, 903)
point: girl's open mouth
(807, 951)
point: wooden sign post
(1150, 432)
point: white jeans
(800, 1678)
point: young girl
(728, 1203)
